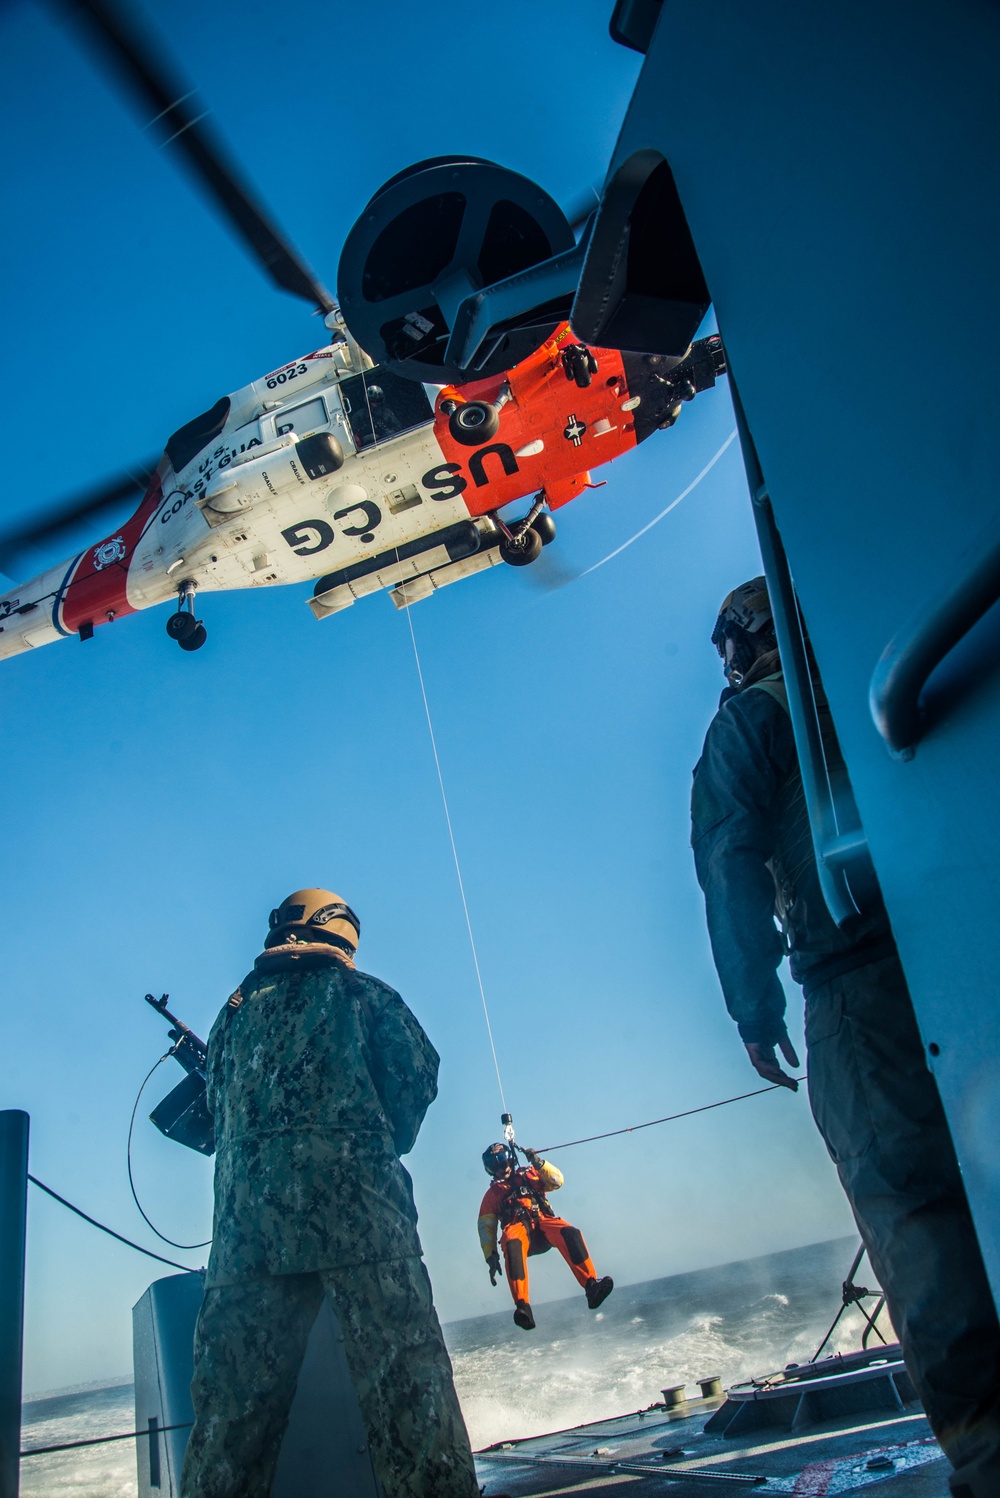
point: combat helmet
(745, 618)
(314, 915)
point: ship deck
(670, 1452)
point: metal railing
(839, 851)
(14, 1179)
(922, 644)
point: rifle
(183, 1114)
(191, 1052)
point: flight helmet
(497, 1159)
(315, 915)
(745, 618)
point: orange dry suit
(529, 1226)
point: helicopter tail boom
(75, 596)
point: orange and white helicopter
(355, 476)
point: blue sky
(157, 804)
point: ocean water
(78, 1415)
(735, 1320)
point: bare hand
(493, 1265)
(766, 1064)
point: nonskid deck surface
(656, 1452)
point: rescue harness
(513, 1208)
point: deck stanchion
(13, 1216)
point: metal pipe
(802, 710)
(13, 1219)
(830, 846)
(845, 1302)
(871, 1327)
(922, 644)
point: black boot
(523, 1317)
(598, 1291)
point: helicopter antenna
(334, 321)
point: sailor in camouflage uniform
(318, 1078)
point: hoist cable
(454, 854)
(110, 1231)
(128, 1158)
(670, 1118)
(444, 801)
(444, 798)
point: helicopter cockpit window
(188, 441)
(308, 417)
(380, 405)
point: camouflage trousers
(249, 1345)
(878, 1109)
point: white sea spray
(106, 1471)
(734, 1321)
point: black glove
(493, 1265)
(532, 1158)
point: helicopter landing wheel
(545, 527)
(527, 548)
(194, 639)
(181, 626)
(473, 423)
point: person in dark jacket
(318, 1078)
(872, 1095)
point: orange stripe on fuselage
(96, 593)
(545, 407)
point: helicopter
(332, 469)
(353, 477)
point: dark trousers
(878, 1110)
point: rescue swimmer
(517, 1203)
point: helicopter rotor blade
(549, 573)
(175, 113)
(85, 506)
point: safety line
(454, 854)
(128, 1435)
(670, 1118)
(671, 506)
(110, 1231)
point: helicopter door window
(380, 405)
(308, 417)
